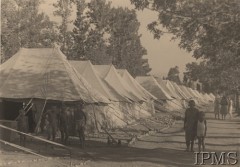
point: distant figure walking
(22, 124)
(224, 107)
(217, 106)
(230, 107)
(201, 131)
(190, 124)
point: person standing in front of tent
(224, 106)
(80, 120)
(53, 117)
(190, 124)
(64, 124)
(22, 124)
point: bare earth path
(167, 148)
(164, 148)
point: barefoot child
(201, 131)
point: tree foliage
(173, 75)
(209, 29)
(125, 46)
(105, 35)
(64, 10)
(23, 25)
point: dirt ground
(164, 147)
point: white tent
(212, 96)
(44, 73)
(134, 85)
(187, 93)
(183, 95)
(110, 75)
(86, 69)
(172, 89)
(152, 85)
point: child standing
(201, 131)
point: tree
(23, 26)
(205, 27)
(107, 35)
(209, 29)
(64, 10)
(90, 30)
(173, 75)
(77, 51)
(125, 46)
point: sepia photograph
(120, 83)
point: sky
(162, 54)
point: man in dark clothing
(53, 117)
(64, 124)
(190, 124)
(80, 120)
(22, 124)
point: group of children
(195, 125)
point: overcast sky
(162, 54)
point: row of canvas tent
(176, 96)
(45, 75)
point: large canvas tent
(124, 98)
(135, 86)
(172, 89)
(148, 103)
(178, 89)
(152, 85)
(44, 73)
(42, 76)
(111, 115)
(163, 85)
(212, 96)
(180, 98)
(109, 74)
(86, 69)
(184, 89)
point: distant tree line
(101, 33)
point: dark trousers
(189, 137)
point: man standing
(64, 124)
(22, 124)
(190, 124)
(53, 117)
(81, 120)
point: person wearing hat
(190, 124)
